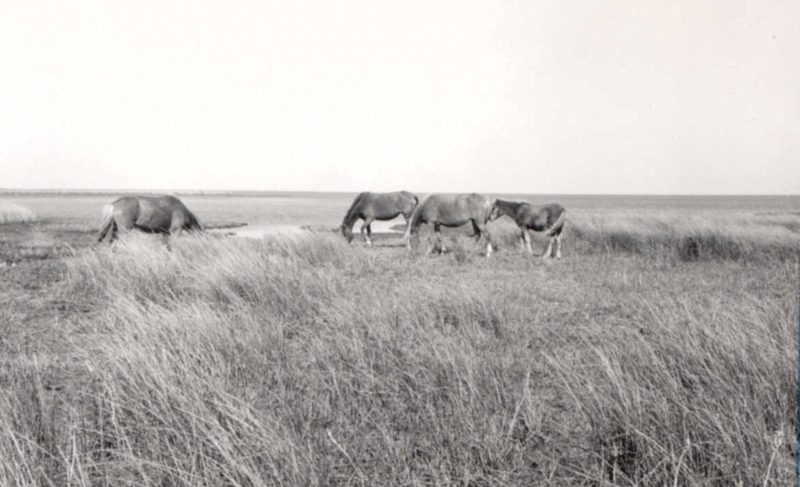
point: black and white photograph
(421, 243)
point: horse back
(152, 213)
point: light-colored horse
(152, 214)
(548, 218)
(452, 210)
(377, 206)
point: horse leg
(477, 230)
(175, 228)
(369, 233)
(125, 224)
(558, 246)
(114, 232)
(111, 233)
(177, 223)
(549, 251)
(121, 231)
(439, 241)
(485, 232)
(526, 235)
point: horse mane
(352, 213)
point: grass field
(659, 351)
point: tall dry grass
(744, 236)
(14, 213)
(302, 360)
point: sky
(563, 96)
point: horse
(548, 218)
(377, 206)
(452, 211)
(162, 214)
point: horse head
(347, 232)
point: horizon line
(221, 192)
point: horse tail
(107, 224)
(558, 225)
(414, 204)
(489, 205)
(414, 220)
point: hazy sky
(689, 96)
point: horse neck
(349, 220)
(352, 214)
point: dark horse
(153, 214)
(377, 206)
(548, 218)
(452, 210)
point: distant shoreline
(104, 192)
(284, 194)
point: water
(290, 212)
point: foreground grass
(301, 360)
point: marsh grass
(301, 360)
(14, 213)
(725, 236)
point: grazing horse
(452, 211)
(377, 206)
(548, 218)
(153, 214)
